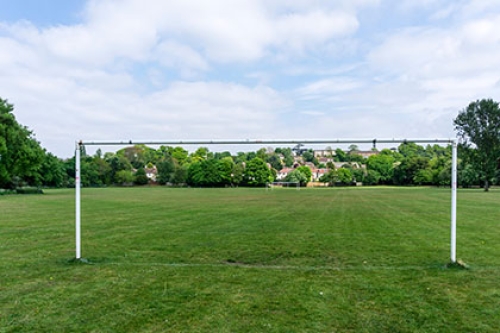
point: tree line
(23, 162)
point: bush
(140, 177)
(29, 190)
(5, 191)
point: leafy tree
(468, 176)
(240, 157)
(344, 176)
(306, 171)
(383, 164)
(220, 156)
(225, 168)
(211, 173)
(180, 174)
(179, 154)
(21, 156)
(330, 165)
(251, 155)
(287, 155)
(355, 157)
(200, 154)
(124, 177)
(195, 174)
(52, 171)
(101, 170)
(411, 149)
(137, 155)
(330, 177)
(444, 176)
(275, 161)
(237, 174)
(372, 177)
(423, 177)
(262, 153)
(296, 176)
(308, 155)
(165, 169)
(89, 172)
(353, 148)
(406, 172)
(257, 173)
(479, 124)
(340, 155)
(358, 174)
(140, 177)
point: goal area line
(453, 142)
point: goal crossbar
(453, 142)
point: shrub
(29, 190)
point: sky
(108, 70)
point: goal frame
(272, 185)
(453, 142)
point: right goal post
(453, 142)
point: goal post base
(79, 261)
(459, 265)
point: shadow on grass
(458, 265)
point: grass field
(250, 260)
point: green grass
(250, 260)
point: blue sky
(247, 69)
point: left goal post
(453, 142)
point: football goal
(452, 142)
(272, 185)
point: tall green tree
(479, 124)
(21, 156)
(383, 164)
(166, 168)
(179, 175)
(296, 176)
(117, 164)
(237, 174)
(344, 176)
(306, 172)
(195, 174)
(329, 177)
(140, 177)
(257, 173)
(138, 155)
(52, 171)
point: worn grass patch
(249, 260)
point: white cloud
(186, 69)
(463, 51)
(329, 88)
(312, 28)
(183, 57)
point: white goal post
(453, 142)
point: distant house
(366, 153)
(280, 175)
(324, 153)
(310, 165)
(151, 173)
(325, 160)
(317, 173)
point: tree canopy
(21, 156)
(479, 124)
